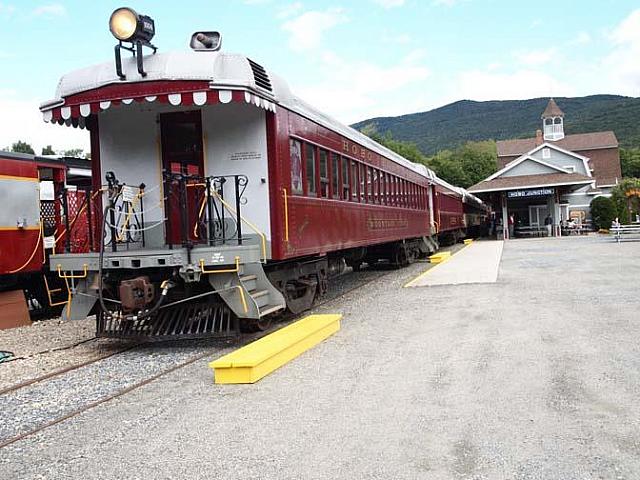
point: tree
(73, 152)
(465, 166)
(48, 150)
(630, 162)
(22, 147)
(603, 212)
(626, 198)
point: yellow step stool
(258, 359)
(468, 241)
(440, 257)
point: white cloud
(534, 58)
(389, 3)
(581, 39)
(6, 9)
(306, 30)
(522, 84)
(622, 62)
(445, 3)
(289, 10)
(22, 120)
(352, 91)
(53, 9)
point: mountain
(454, 124)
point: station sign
(532, 192)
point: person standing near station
(547, 223)
(512, 225)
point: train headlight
(129, 26)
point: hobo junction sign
(532, 192)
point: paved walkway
(477, 263)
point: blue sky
(353, 60)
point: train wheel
(252, 325)
(299, 294)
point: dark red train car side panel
(317, 225)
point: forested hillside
(453, 125)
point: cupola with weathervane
(553, 121)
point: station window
(296, 167)
(335, 175)
(324, 174)
(310, 162)
(345, 178)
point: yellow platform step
(468, 241)
(252, 362)
(439, 257)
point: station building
(550, 175)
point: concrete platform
(478, 262)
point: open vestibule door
(183, 164)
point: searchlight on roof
(126, 25)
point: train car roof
(221, 69)
(60, 160)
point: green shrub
(603, 212)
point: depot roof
(530, 181)
(575, 143)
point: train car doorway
(183, 164)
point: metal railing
(197, 211)
(208, 208)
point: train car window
(375, 193)
(296, 167)
(335, 175)
(324, 174)
(414, 197)
(310, 154)
(354, 181)
(396, 189)
(369, 184)
(363, 183)
(392, 182)
(45, 173)
(345, 179)
(383, 188)
(412, 187)
(405, 193)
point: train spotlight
(126, 25)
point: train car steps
(248, 292)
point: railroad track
(49, 391)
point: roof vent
(260, 76)
(206, 41)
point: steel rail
(244, 340)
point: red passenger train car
(216, 187)
(32, 218)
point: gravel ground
(38, 404)
(47, 346)
(52, 345)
